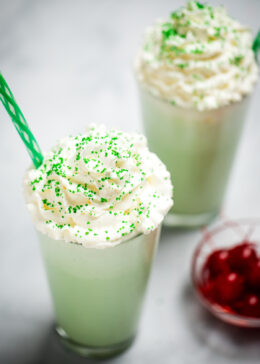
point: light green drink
(98, 201)
(195, 72)
(198, 148)
(98, 293)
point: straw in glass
(20, 123)
(256, 45)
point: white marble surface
(69, 63)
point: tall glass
(98, 293)
(198, 148)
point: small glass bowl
(225, 235)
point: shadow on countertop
(45, 350)
(53, 353)
(226, 341)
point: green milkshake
(195, 72)
(98, 201)
(98, 293)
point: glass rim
(143, 87)
(100, 246)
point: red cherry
(241, 257)
(207, 290)
(253, 275)
(228, 288)
(250, 306)
(216, 264)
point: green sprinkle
(196, 51)
(171, 32)
(218, 32)
(177, 15)
(199, 5)
(236, 60)
(182, 65)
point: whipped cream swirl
(98, 189)
(198, 58)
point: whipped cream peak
(98, 188)
(198, 58)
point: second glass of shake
(195, 73)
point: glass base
(189, 221)
(92, 351)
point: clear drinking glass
(198, 148)
(98, 293)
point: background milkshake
(195, 71)
(97, 201)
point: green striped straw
(20, 123)
(256, 45)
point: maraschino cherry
(241, 257)
(231, 278)
(228, 287)
(254, 276)
(217, 263)
(249, 306)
